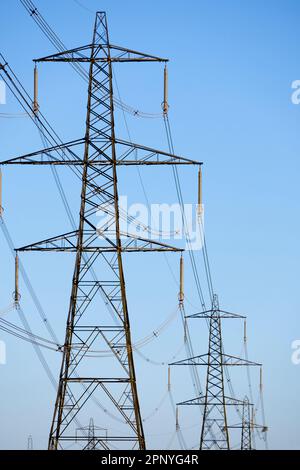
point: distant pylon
(214, 431)
(30, 443)
(246, 438)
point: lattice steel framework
(214, 430)
(102, 247)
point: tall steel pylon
(214, 431)
(107, 383)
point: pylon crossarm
(90, 53)
(234, 401)
(194, 401)
(100, 155)
(126, 54)
(64, 242)
(134, 243)
(104, 438)
(260, 427)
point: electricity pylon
(247, 426)
(91, 445)
(214, 431)
(84, 380)
(90, 432)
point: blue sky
(231, 68)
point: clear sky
(232, 63)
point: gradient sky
(232, 64)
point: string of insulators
(245, 331)
(181, 286)
(169, 379)
(200, 191)
(1, 208)
(35, 91)
(16, 293)
(177, 418)
(165, 104)
(185, 330)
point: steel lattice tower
(110, 383)
(90, 433)
(214, 430)
(248, 426)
